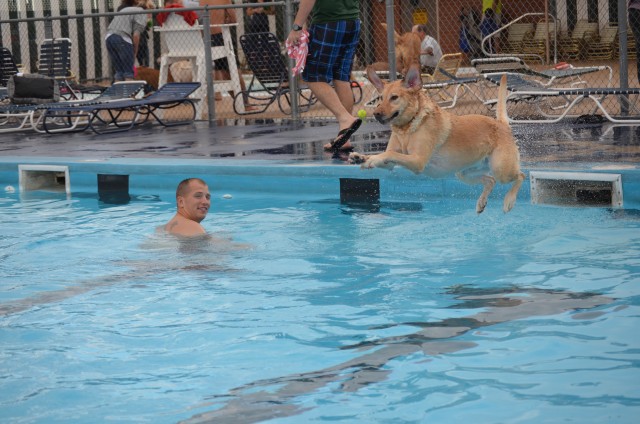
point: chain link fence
(542, 34)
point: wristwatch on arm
(296, 27)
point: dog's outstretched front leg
(357, 158)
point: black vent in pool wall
(359, 191)
(113, 189)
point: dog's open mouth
(386, 120)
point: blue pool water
(304, 309)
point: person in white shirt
(430, 51)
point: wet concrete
(302, 141)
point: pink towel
(298, 52)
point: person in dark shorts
(334, 33)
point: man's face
(195, 204)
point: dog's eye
(393, 97)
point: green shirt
(325, 11)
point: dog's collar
(415, 122)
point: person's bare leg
(343, 89)
(332, 101)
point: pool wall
(285, 178)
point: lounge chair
(521, 90)
(122, 115)
(54, 60)
(8, 68)
(444, 86)
(573, 46)
(537, 45)
(516, 34)
(548, 77)
(604, 47)
(270, 80)
(30, 117)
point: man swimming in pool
(193, 201)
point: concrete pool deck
(285, 140)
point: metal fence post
(391, 41)
(211, 102)
(289, 13)
(622, 39)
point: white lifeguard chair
(182, 42)
(227, 50)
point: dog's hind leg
(505, 167)
(487, 181)
(510, 197)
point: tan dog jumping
(425, 138)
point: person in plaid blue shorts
(334, 33)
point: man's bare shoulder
(181, 226)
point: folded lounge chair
(523, 90)
(122, 115)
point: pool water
(303, 309)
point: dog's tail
(501, 107)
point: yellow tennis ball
(362, 114)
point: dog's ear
(412, 80)
(375, 79)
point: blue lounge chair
(8, 68)
(30, 117)
(122, 115)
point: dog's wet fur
(427, 139)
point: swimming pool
(414, 311)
